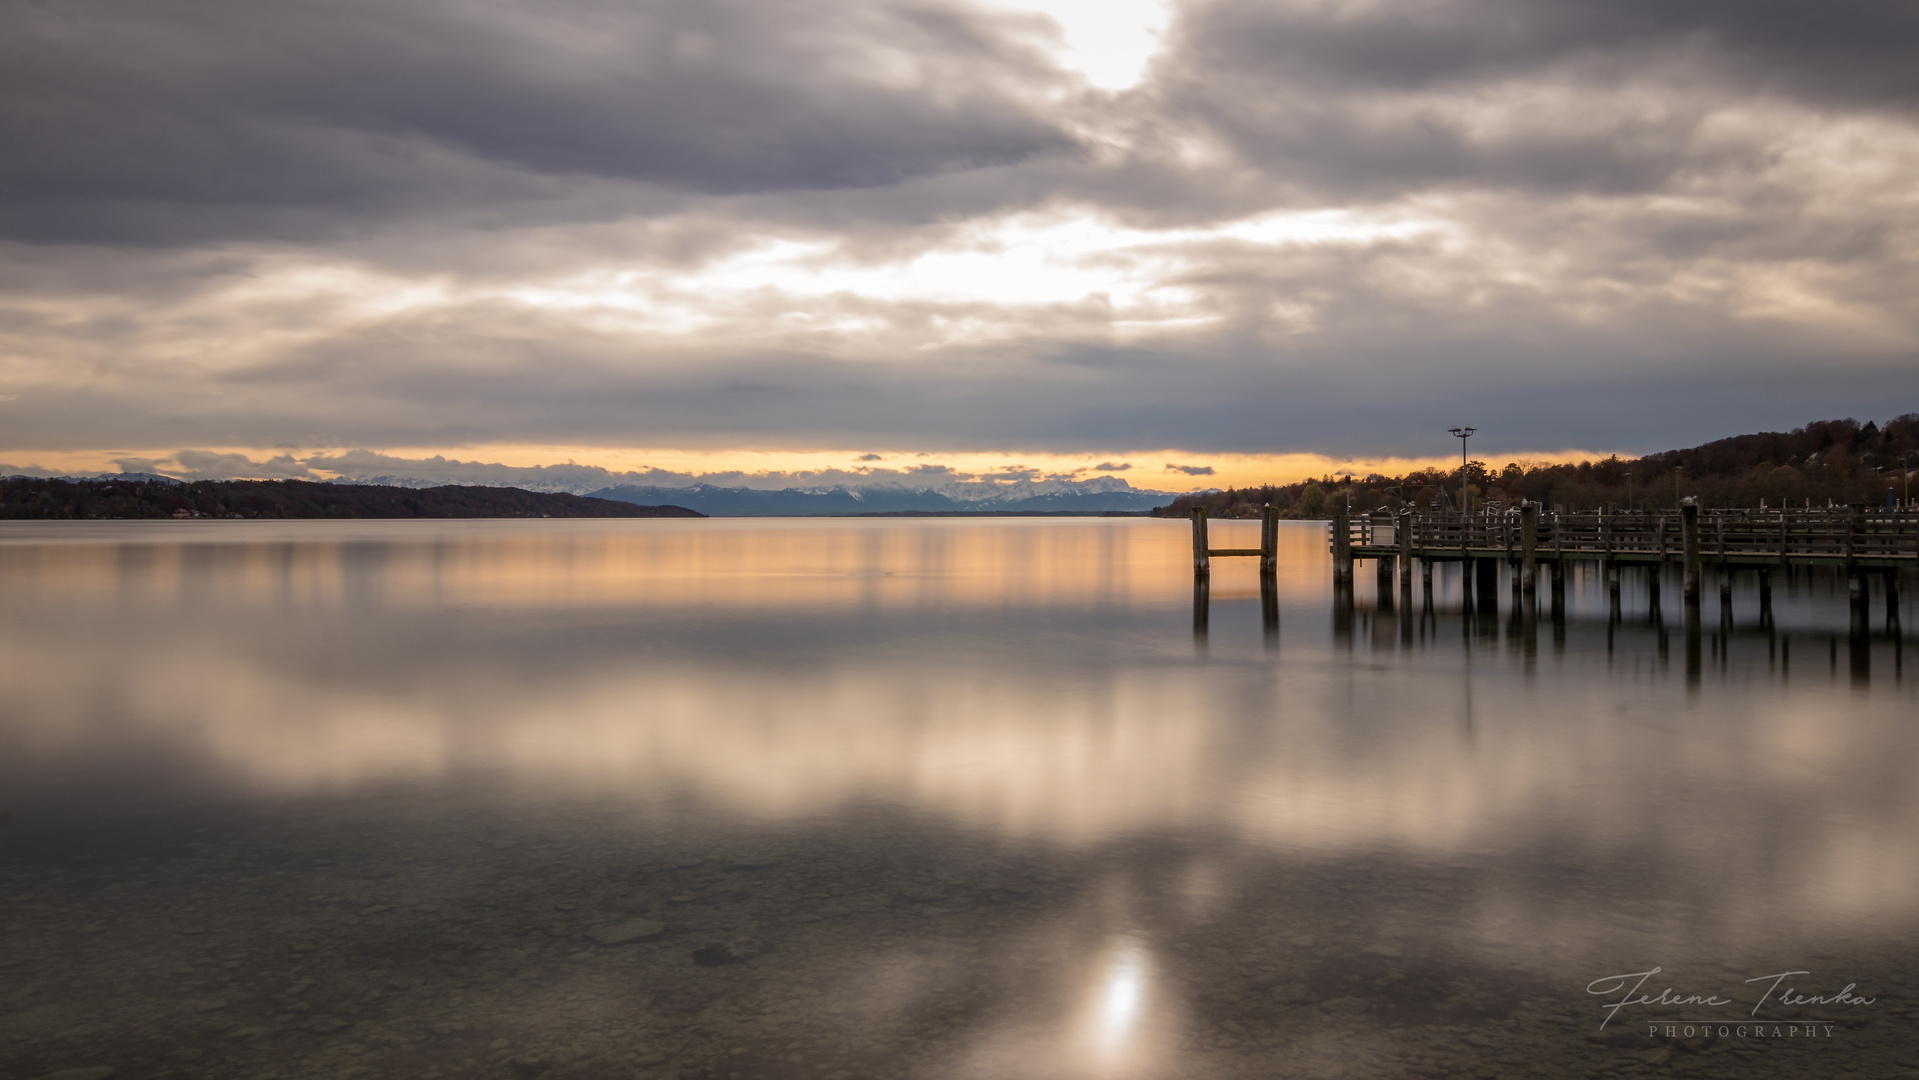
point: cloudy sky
(787, 235)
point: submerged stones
(719, 954)
(630, 931)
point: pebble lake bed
(849, 800)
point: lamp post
(1628, 491)
(1905, 477)
(1463, 433)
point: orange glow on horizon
(1147, 469)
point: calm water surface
(927, 799)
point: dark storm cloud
(1299, 103)
(1850, 50)
(213, 118)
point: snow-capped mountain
(1094, 496)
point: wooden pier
(1858, 541)
(1527, 539)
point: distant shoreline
(25, 498)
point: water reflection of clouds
(732, 564)
(1074, 732)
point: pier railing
(1880, 537)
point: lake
(829, 799)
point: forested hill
(1842, 461)
(27, 497)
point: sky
(1211, 242)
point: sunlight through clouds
(1110, 42)
(1028, 261)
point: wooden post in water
(1383, 532)
(1852, 528)
(1202, 559)
(1342, 548)
(1465, 546)
(1528, 543)
(1268, 540)
(1689, 522)
(1406, 548)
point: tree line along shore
(1842, 462)
(32, 498)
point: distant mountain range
(1102, 495)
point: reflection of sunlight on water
(1116, 1020)
(1113, 1028)
(1119, 1005)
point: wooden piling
(1342, 549)
(1202, 557)
(1528, 544)
(1689, 522)
(1268, 540)
(1406, 548)
(1852, 531)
